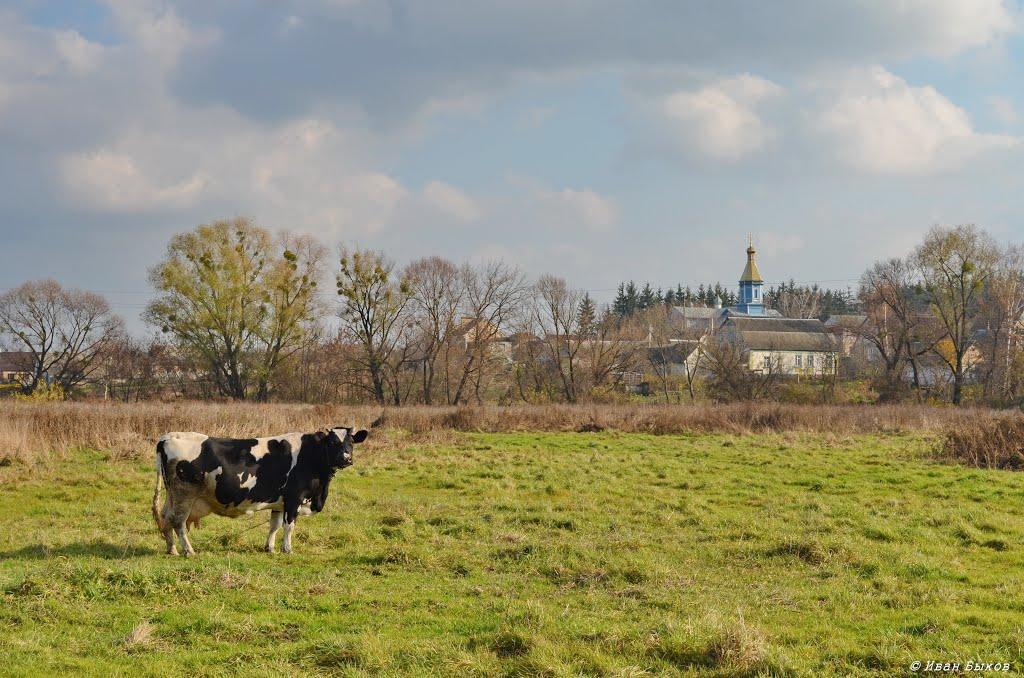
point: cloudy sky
(594, 139)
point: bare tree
(373, 312)
(556, 309)
(437, 288)
(63, 331)
(731, 378)
(680, 341)
(794, 301)
(955, 265)
(891, 326)
(131, 367)
(533, 375)
(492, 294)
(609, 349)
(1001, 307)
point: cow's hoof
(190, 554)
(172, 552)
(269, 549)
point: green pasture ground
(532, 554)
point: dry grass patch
(34, 432)
(140, 637)
(985, 442)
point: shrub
(43, 393)
(995, 442)
(800, 393)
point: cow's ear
(359, 436)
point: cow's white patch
(187, 446)
(211, 478)
(249, 482)
(261, 448)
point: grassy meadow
(518, 553)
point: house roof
(781, 334)
(675, 353)
(698, 312)
(849, 322)
(705, 313)
(15, 361)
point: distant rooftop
(15, 361)
(781, 334)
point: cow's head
(340, 443)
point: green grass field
(533, 554)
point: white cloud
(308, 175)
(572, 208)
(1004, 110)
(430, 52)
(113, 181)
(719, 121)
(451, 201)
(158, 30)
(164, 128)
(880, 123)
(947, 27)
(81, 55)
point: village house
(15, 366)
(788, 346)
(848, 332)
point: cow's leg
(286, 545)
(178, 519)
(276, 518)
(291, 512)
(167, 530)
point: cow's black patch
(272, 472)
(187, 472)
(163, 459)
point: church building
(751, 287)
(751, 302)
(790, 346)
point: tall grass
(34, 432)
(986, 442)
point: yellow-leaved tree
(238, 300)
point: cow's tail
(156, 488)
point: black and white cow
(287, 474)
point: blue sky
(598, 141)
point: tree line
(956, 301)
(791, 299)
(241, 313)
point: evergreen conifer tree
(619, 306)
(587, 316)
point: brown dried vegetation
(985, 442)
(34, 432)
